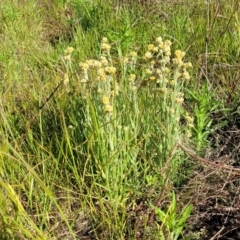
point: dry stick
(205, 161)
(162, 171)
(193, 155)
(235, 8)
(217, 234)
(219, 166)
(150, 220)
(40, 108)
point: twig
(39, 109)
(205, 161)
(150, 220)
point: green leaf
(172, 211)
(185, 214)
(160, 214)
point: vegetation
(113, 114)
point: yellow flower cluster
(110, 70)
(178, 60)
(189, 120)
(157, 59)
(103, 61)
(158, 69)
(105, 46)
(133, 54)
(164, 46)
(101, 72)
(132, 77)
(65, 79)
(68, 51)
(105, 100)
(133, 57)
(148, 55)
(180, 99)
(154, 68)
(108, 107)
(67, 57)
(102, 67)
(179, 56)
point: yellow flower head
(105, 100)
(166, 58)
(159, 40)
(133, 54)
(179, 100)
(65, 79)
(148, 71)
(67, 57)
(188, 65)
(110, 70)
(153, 62)
(168, 42)
(186, 75)
(90, 62)
(190, 125)
(105, 46)
(104, 60)
(150, 47)
(83, 80)
(84, 65)
(165, 70)
(167, 54)
(108, 108)
(104, 40)
(152, 78)
(68, 50)
(148, 55)
(172, 82)
(133, 88)
(125, 60)
(179, 54)
(180, 94)
(189, 119)
(97, 64)
(101, 74)
(167, 49)
(188, 133)
(132, 77)
(164, 89)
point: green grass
(77, 149)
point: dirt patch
(215, 187)
(56, 25)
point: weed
(171, 222)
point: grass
(93, 105)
